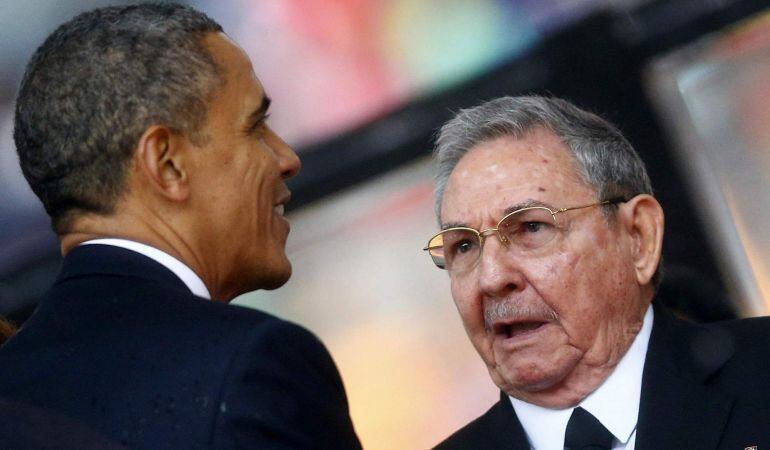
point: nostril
(291, 167)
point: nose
(288, 161)
(499, 271)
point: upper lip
(284, 199)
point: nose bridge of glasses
(492, 231)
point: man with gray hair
(143, 131)
(552, 240)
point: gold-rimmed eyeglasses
(459, 248)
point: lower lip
(281, 218)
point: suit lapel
(678, 409)
(506, 431)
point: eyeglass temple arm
(611, 201)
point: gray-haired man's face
(559, 317)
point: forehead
(241, 90)
(505, 171)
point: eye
(259, 127)
(459, 243)
(527, 222)
(534, 227)
(463, 246)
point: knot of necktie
(585, 432)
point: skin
(216, 206)
(571, 308)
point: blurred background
(359, 88)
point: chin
(530, 372)
(277, 277)
(528, 379)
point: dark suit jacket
(703, 387)
(122, 346)
(28, 427)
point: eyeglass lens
(460, 248)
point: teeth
(278, 209)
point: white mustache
(511, 310)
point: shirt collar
(615, 403)
(188, 277)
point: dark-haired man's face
(238, 185)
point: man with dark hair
(552, 240)
(142, 129)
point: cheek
(584, 286)
(607, 271)
(261, 181)
(468, 302)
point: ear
(642, 218)
(160, 158)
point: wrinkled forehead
(498, 173)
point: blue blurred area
(29, 261)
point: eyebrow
(259, 114)
(525, 204)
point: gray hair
(605, 160)
(94, 86)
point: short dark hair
(94, 86)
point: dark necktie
(584, 432)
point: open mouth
(516, 329)
(280, 206)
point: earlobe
(644, 221)
(160, 159)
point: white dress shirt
(188, 277)
(615, 403)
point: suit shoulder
(261, 337)
(252, 335)
(752, 338)
(283, 385)
(256, 321)
(267, 327)
(754, 326)
(292, 346)
(473, 435)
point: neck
(160, 234)
(89, 227)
